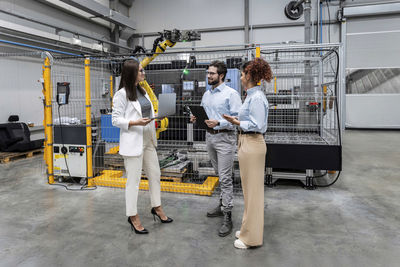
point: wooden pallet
(113, 161)
(6, 157)
(114, 166)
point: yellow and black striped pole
(89, 149)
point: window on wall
(373, 81)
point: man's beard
(212, 82)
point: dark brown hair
(221, 68)
(258, 69)
(129, 75)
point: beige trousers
(148, 161)
(251, 153)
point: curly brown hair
(258, 69)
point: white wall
(157, 15)
(373, 42)
(21, 90)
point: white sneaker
(237, 234)
(239, 244)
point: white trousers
(148, 161)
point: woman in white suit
(132, 113)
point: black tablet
(201, 116)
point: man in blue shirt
(221, 138)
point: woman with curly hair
(252, 122)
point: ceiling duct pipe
(127, 3)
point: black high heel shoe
(168, 220)
(140, 232)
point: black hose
(322, 175)
(327, 185)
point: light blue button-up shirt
(221, 100)
(253, 114)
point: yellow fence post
(258, 51)
(258, 54)
(44, 118)
(48, 117)
(89, 148)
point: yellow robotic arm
(159, 50)
(161, 124)
(172, 37)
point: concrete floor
(353, 223)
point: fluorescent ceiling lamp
(97, 47)
(76, 41)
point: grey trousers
(221, 149)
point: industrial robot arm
(166, 39)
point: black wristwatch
(218, 124)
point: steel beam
(241, 28)
(246, 22)
(371, 10)
(127, 3)
(66, 30)
(47, 44)
(42, 34)
(101, 11)
(307, 21)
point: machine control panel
(76, 149)
(70, 159)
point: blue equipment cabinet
(109, 133)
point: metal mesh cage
(303, 123)
(183, 159)
(303, 95)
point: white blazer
(130, 138)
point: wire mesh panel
(302, 96)
(181, 147)
(183, 158)
(71, 72)
(79, 96)
(302, 113)
(302, 100)
(303, 122)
